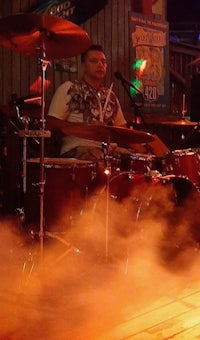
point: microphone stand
(136, 107)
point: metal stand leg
(107, 171)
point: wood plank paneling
(109, 27)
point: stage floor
(54, 290)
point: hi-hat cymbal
(33, 34)
(181, 122)
(103, 133)
(33, 110)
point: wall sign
(77, 11)
(150, 62)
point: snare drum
(138, 163)
(67, 184)
(183, 163)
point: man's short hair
(91, 48)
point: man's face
(95, 65)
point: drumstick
(107, 98)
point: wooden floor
(57, 293)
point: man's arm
(53, 123)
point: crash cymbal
(181, 122)
(31, 34)
(103, 133)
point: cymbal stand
(183, 113)
(107, 171)
(44, 63)
(194, 130)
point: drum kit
(45, 37)
(48, 37)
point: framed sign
(150, 63)
(159, 8)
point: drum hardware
(69, 245)
(182, 125)
(107, 171)
(25, 120)
(107, 158)
(43, 37)
(57, 236)
(190, 135)
(33, 134)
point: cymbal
(32, 34)
(103, 133)
(26, 109)
(181, 122)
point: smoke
(124, 249)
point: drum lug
(93, 175)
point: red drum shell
(139, 163)
(67, 184)
(135, 203)
(183, 163)
(131, 191)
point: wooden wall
(110, 27)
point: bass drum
(138, 211)
(135, 197)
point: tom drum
(139, 163)
(67, 184)
(183, 163)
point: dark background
(183, 11)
